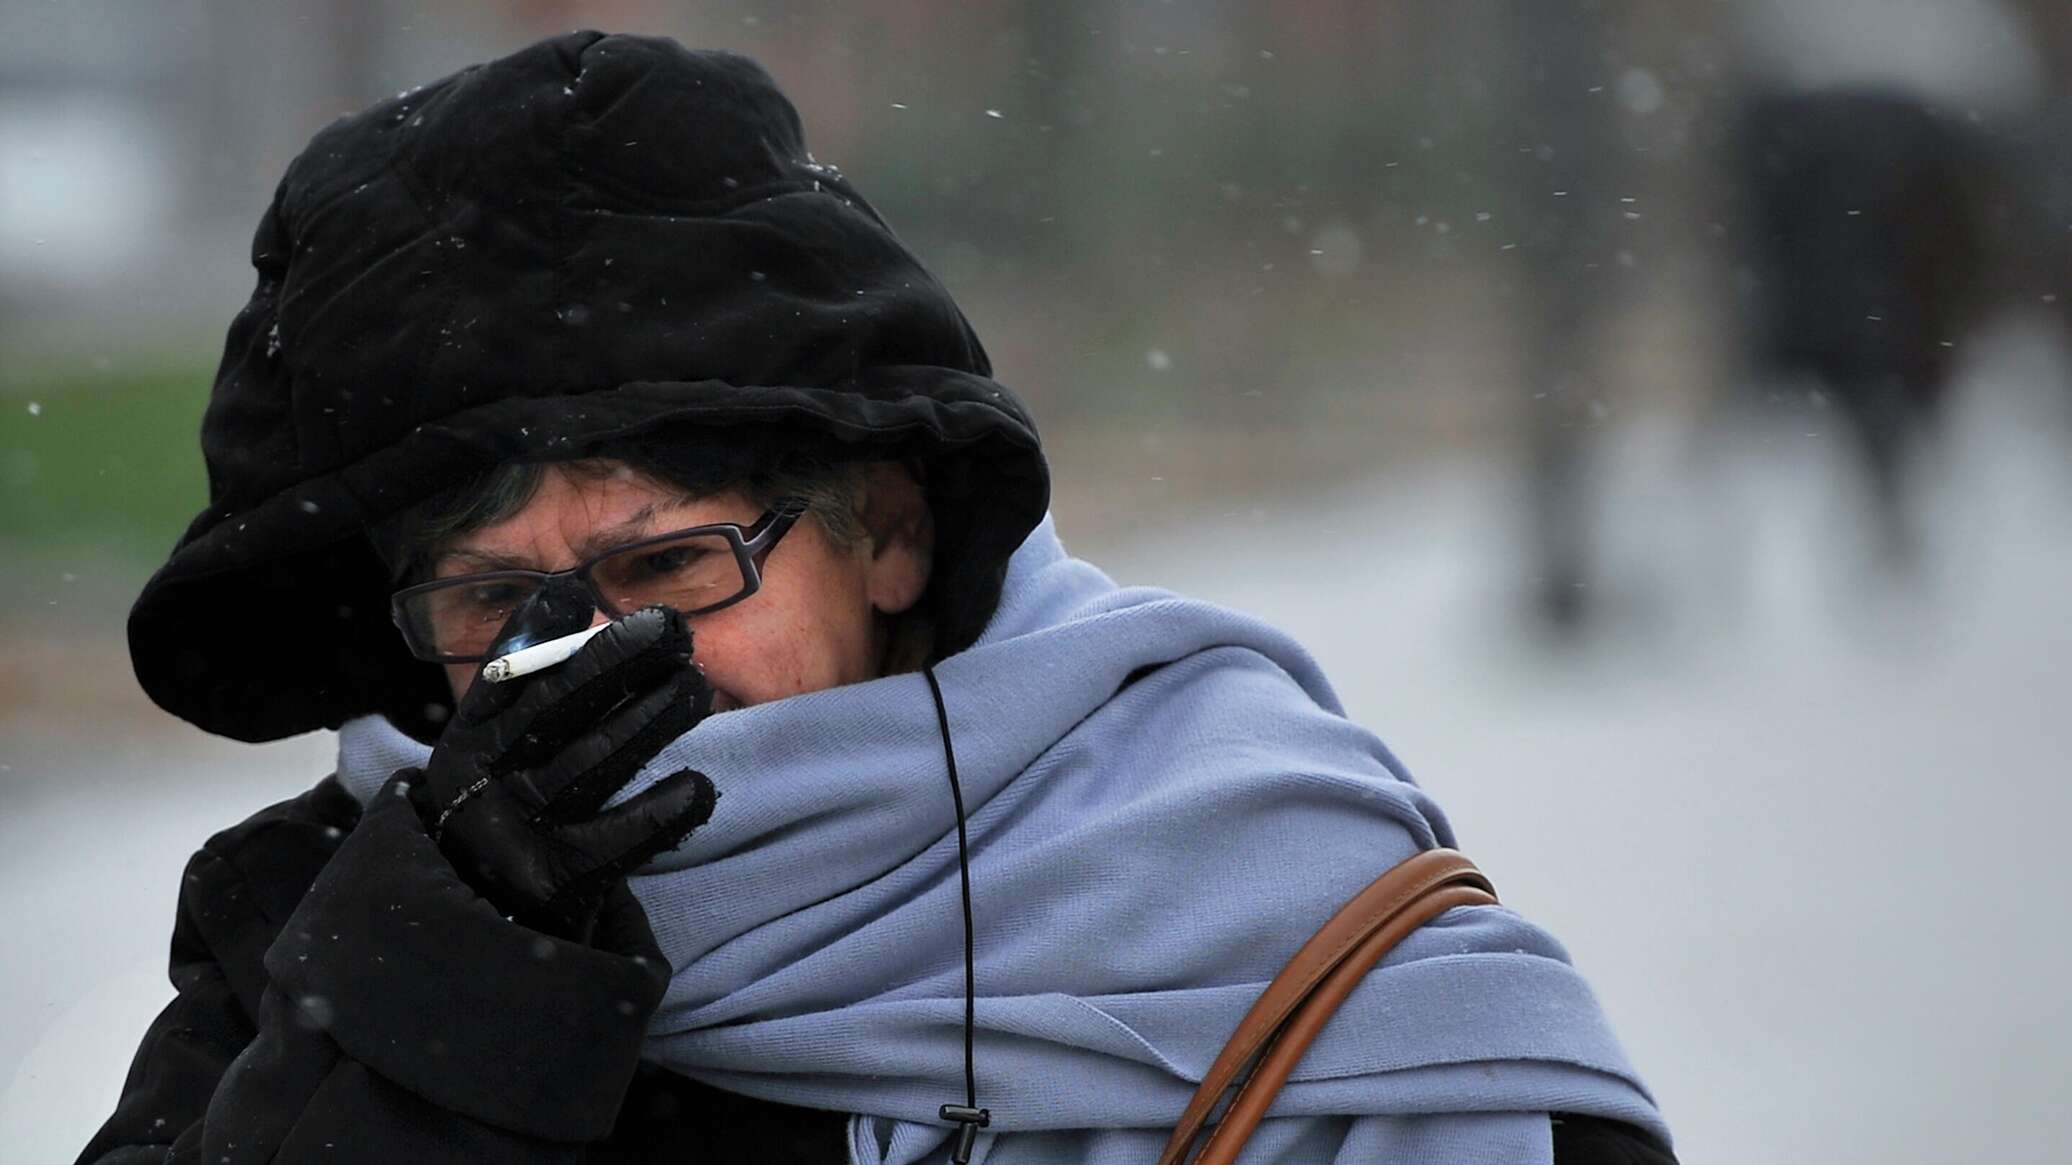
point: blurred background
(1655, 415)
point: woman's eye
(492, 596)
(668, 560)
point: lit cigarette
(528, 660)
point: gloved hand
(514, 788)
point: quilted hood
(595, 237)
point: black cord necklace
(968, 1117)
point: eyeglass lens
(689, 573)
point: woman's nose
(562, 607)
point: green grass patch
(104, 451)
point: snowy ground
(1797, 826)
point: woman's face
(814, 623)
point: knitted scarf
(1165, 800)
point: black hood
(596, 237)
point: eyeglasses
(696, 570)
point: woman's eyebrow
(482, 560)
(627, 529)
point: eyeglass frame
(750, 544)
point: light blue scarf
(1145, 855)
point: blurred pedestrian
(1867, 245)
(1569, 173)
(1868, 182)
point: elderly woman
(868, 807)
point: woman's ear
(900, 536)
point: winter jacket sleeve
(236, 893)
(387, 1014)
(183, 1054)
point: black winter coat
(343, 997)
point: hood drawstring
(969, 1117)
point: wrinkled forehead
(583, 509)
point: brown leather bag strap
(1298, 1003)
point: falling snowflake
(314, 1012)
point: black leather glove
(514, 788)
